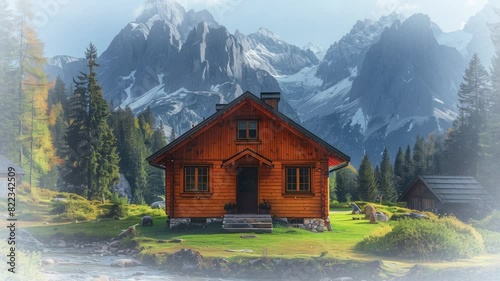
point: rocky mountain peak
(168, 10)
(267, 33)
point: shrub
(144, 210)
(491, 222)
(442, 239)
(491, 240)
(119, 207)
(69, 210)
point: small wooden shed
(459, 195)
(5, 164)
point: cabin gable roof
(156, 158)
(451, 189)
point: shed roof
(6, 163)
(454, 189)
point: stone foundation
(178, 221)
(312, 224)
(315, 225)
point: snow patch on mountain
(458, 39)
(59, 61)
(128, 99)
(306, 76)
(359, 118)
(316, 49)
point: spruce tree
(409, 174)
(367, 188)
(346, 184)
(156, 177)
(462, 144)
(386, 184)
(58, 111)
(399, 175)
(92, 144)
(419, 156)
(378, 176)
(489, 139)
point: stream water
(74, 265)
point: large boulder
(186, 260)
(369, 211)
(158, 205)
(381, 217)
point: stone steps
(247, 223)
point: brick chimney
(271, 98)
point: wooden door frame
(257, 181)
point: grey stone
(381, 217)
(125, 263)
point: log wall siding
(271, 186)
(282, 146)
(421, 198)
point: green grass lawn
(212, 241)
(282, 242)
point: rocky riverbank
(120, 260)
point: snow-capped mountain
(316, 49)
(182, 63)
(323, 89)
(265, 50)
(475, 37)
(381, 84)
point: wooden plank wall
(276, 143)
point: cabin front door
(247, 186)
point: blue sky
(66, 27)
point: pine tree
(367, 188)
(419, 157)
(92, 145)
(346, 184)
(378, 176)
(490, 138)
(156, 177)
(409, 174)
(462, 144)
(58, 111)
(386, 184)
(399, 175)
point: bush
(491, 222)
(69, 210)
(443, 239)
(119, 207)
(491, 240)
(145, 210)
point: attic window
(247, 129)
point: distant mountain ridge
(381, 84)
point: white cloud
(472, 2)
(398, 6)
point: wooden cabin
(18, 172)
(245, 153)
(461, 196)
